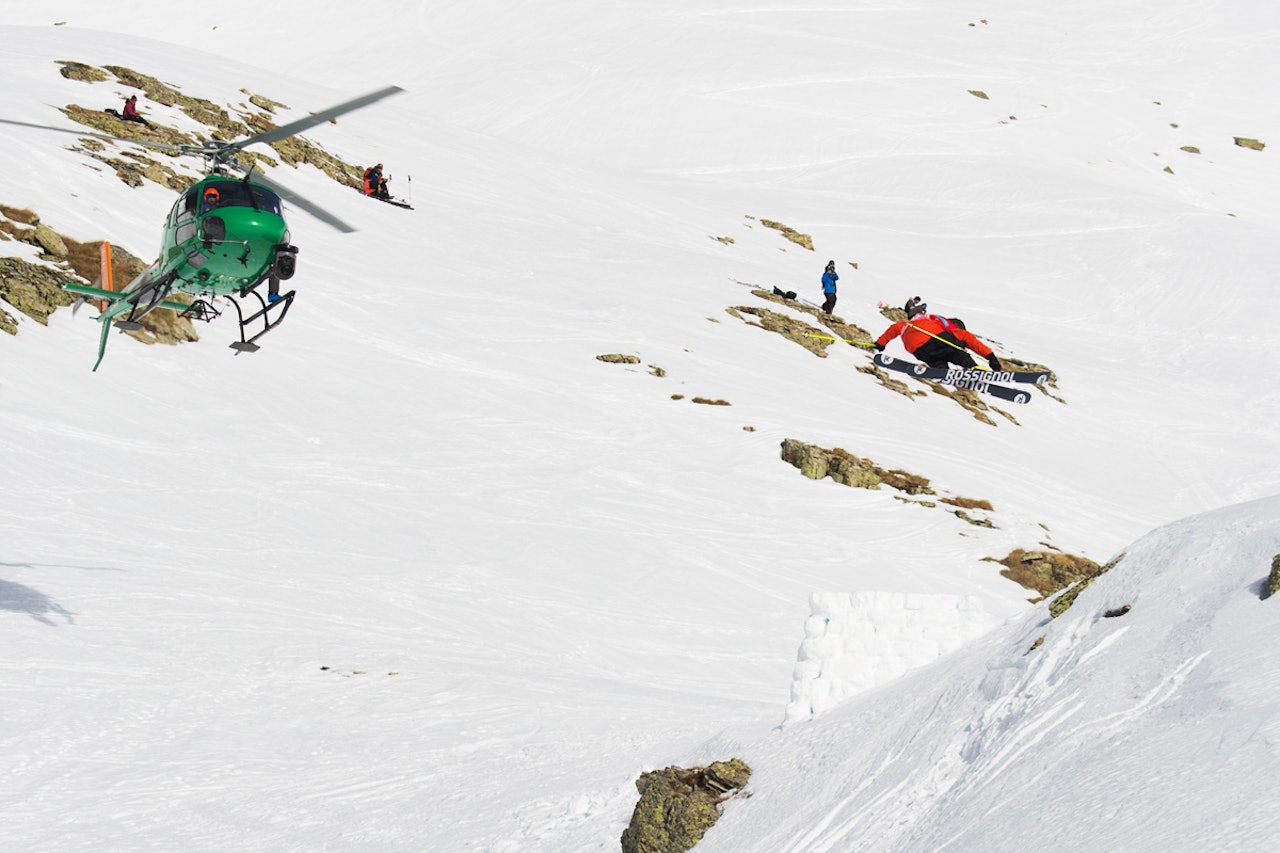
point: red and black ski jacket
(921, 328)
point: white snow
(423, 574)
(856, 641)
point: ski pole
(935, 337)
(846, 340)
(409, 178)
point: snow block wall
(856, 641)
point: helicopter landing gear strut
(144, 300)
(265, 315)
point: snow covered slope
(425, 574)
(1151, 729)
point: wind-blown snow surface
(574, 577)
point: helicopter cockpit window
(238, 194)
(264, 199)
(224, 194)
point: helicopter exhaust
(286, 262)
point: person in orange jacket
(374, 184)
(936, 340)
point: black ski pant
(830, 304)
(935, 353)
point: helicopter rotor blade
(218, 153)
(160, 146)
(293, 128)
(300, 202)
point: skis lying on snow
(972, 378)
(1030, 377)
(398, 202)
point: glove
(879, 347)
(994, 362)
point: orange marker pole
(105, 276)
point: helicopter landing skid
(267, 316)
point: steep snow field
(423, 574)
(1154, 730)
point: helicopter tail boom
(115, 296)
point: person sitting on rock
(131, 111)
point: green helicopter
(224, 237)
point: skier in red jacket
(936, 340)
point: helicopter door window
(183, 208)
(184, 217)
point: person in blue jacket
(829, 287)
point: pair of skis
(982, 381)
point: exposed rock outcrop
(850, 470)
(790, 233)
(1272, 585)
(678, 805)
(1063, 602)
(1046, 572)
(33, 289)
(132, 168)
